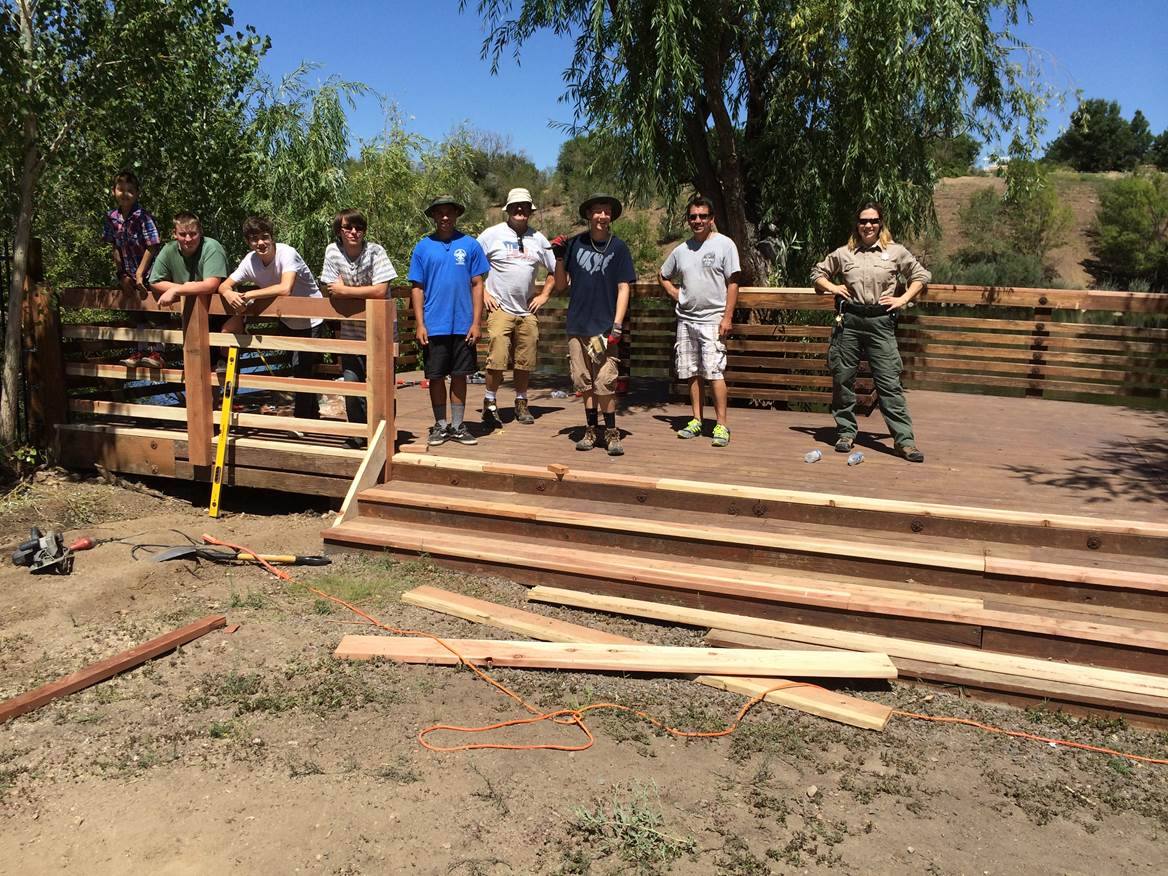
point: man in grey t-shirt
(701, 275)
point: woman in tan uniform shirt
(870, 267)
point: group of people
(454, 276)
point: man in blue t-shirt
(599, 268)
(447, 270)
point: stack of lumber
(937, 588)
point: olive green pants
(873, 338)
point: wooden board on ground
(656, 659)
(108, 668)
(968, 658)
(805, 698)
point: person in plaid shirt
(134, 236)
(354, 268)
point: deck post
(197, 376)
(44, 377)
(381, 335)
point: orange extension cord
(575, 717)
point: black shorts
(448, 355)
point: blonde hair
(885, 235)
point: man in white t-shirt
(701, 275)
(514, 252)
(275, 269)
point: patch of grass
(768, 738)
(631, 826)
(736, 859)
(222, 729)
(625, 727)
(322, 606)
(573, 863)
(400, 771)
(816, 841)
(254, 599)
(8, 777)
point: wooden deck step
(926, 520)
(787, 543)
(768, 592)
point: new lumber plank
(283, 342)
(173, 413)
(368, 474)
(967, 658)
(604, 657)
(108, 668)
(805, 698)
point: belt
(864, 309)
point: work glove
(614, 334)
(559, 246)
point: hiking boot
(721, 436)
(844, 443)
(523, 412)
(910, 453)
(491, 418)
(461, 434)
(134, 360)
(692, 429)
(153, 359)
(438, 435)
(589, 439)
(612, 440)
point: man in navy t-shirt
(447, 270)
(599, 268)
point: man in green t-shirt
(191, 264)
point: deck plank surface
(995, 452)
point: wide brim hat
(442, 201)
(617, 209)
(519, 196)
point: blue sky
(424, 56)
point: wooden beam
(585, 656)
(197, 375)
(967, 658)
(371, 470)
(804, 698)
(108, 668)
(282, 342)
(174, 413)
(379, 325)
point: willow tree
(785, 112)
(85, 80)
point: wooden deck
(1007, 453)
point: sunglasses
(352, 228)
(867, 221)
(699, 217)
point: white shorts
(698, 351)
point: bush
(640, 235)
(1130, 236)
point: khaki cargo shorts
(589, 375)
(506, 333)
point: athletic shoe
(589, 439)
(692, 429)
(491, 418)
(844, 444)
(134, 360)
(438, 435)
(461, 434)
(523, 412)
(153, 359)
(612, 439)
(721, 436)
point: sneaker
(491, 418)
(296, 433)
(692, 429)
(612, 439)
(461, 434)
(523, 412)
(721, 436)
(134, 360)
(153, 359)
(589, 439)
(438, 435)
(910, 453)
(844, 444)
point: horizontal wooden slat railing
(97, 408)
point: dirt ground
(257, 752)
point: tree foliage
(955, 156)
(1100, 138)
(1130, 237)
(94, 85)
(785, 112)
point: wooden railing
(1066, 344)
